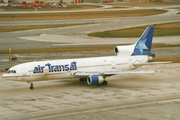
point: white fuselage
(63, 69)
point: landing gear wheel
(104, 83)
(82, 79)
(31, 87)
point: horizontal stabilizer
(150, 63)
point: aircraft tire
(83, 79)
(105, 83)
(31, 87)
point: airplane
(95, 70)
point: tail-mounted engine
(124, 50)
(150, 58)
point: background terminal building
(56, 1)
(45, 1)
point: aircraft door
(24, 72)
(46, 70)
(113, 64)
(130, 62)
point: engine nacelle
(94, 80)
(124, 50)
(151, 58)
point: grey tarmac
(138, 96)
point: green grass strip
(79, 15)
(68, 7)
(30, 27)
(168, 29)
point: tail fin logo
(142, 46)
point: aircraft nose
(8, 76)
(4, 75)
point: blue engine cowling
(94, 80)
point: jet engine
(124, 50)
(94, 80)
(151, 58)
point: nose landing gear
(31, 86)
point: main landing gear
(31, 86)
(104, 83)
(82, 79)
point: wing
(109, 73)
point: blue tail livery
(143, 46)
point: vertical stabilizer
(143, 46)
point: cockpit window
(11, 71)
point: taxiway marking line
(90, 108)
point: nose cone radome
(4, 75)
(7, 76)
